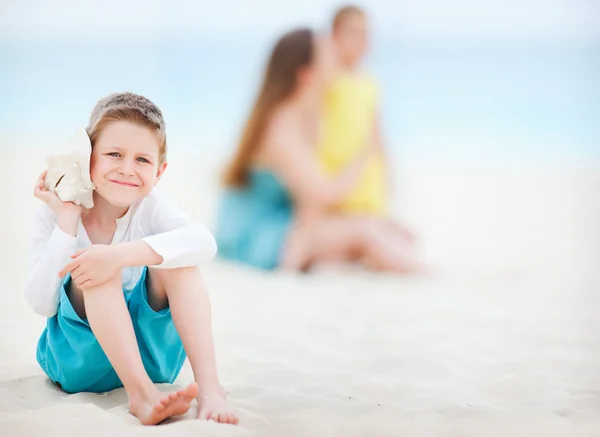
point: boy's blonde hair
(129, 107)
(343, 13)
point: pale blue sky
(477, 77)
(114, 19)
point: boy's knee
(115, 282)
(166, 277)
(170, 273)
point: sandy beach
(501, 341)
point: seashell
(69, 172)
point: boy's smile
(124, 183)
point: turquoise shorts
(70, 355)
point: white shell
(69, 172)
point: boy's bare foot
(157, 407)
(214, 407)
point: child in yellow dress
(350, 117)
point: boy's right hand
(51, 199)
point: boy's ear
(161, 169)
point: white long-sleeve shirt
(180, 241)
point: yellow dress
(348, 121)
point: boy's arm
(169, 240)
(54, 240)
(173, 240)
(137, 253)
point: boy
(119, 283)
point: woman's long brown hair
(293, 51)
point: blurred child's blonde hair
(129, 107)
(343, 13)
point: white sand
(504, 342)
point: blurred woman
(279, 207)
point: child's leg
(402, 230)
(106, 311)
(188, 301)
(349, 238)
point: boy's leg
(109, 319)
(184, 292)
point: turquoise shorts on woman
(254, 221)
(71, 356)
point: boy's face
(351, 37)
(124, 165)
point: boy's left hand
(92, 266)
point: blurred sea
(471, 100)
